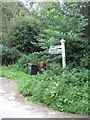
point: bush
(67, 92)
(35, 57)
(9, 55)
(22, 35)
(55, 69)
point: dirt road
(13, 105)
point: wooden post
(63, 53)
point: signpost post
(59, 49)
(63, 53)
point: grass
(13, 74)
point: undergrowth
(67, 92)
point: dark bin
(32, 69)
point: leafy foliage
(32, 34)
(38, 30)
(67, 92)
(9, 55)
(11, 12)
(69, 24)
(22, 35)
(52, 62)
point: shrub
(22, 35)
(35, 57)
(9, 55)
(67, 92)
(50, 61)
(55, 69)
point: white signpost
(59, 49)
(55, 49)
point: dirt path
(13, 105)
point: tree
(22, 35)
(11, 12)
(69, 23)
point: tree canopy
(36, 29)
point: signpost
(55, 49)
(59, 49)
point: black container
(32, 69)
